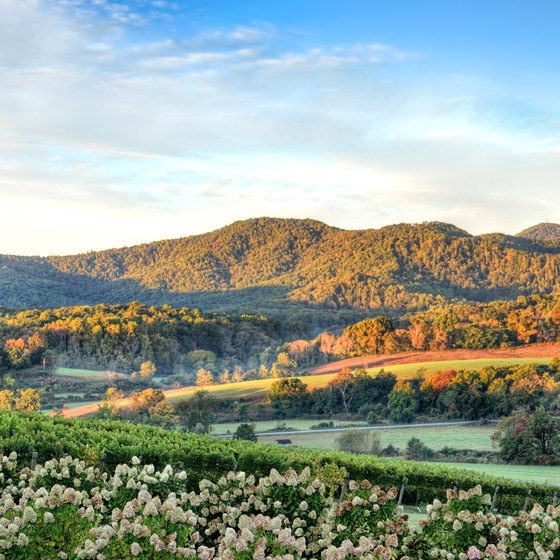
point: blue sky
(126, 122)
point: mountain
(544, 232)
(296, 268)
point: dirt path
(548, 350)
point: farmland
(259, 388)
(460, 437)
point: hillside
(544, 232)
(301, 268)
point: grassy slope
(259, 387)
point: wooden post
(103, 462)
(555, 499)
(401, 493)
(344, 486)
(526, 505)
(34, 457)
(494, 498)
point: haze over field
(125, 122)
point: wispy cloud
(112, 129)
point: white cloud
(143, 140)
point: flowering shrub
(465, 528)
(65, 510)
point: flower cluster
(65, 510)
(465, 528)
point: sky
(128, 122)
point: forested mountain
(542, 232)
(297, 268)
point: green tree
(288, 395)
(162, 414)
(529, 438)
(245, 432)
(345, 383)
(418, 451)
(403, 403)
(198, 410)
(359, 441)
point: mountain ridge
(287, 265)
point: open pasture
(473, 437)
(273, 425)
(86, 375)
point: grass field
(272, 425)
(86, 375)
(462, 437)
(529, 473)
(407, 371)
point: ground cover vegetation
(67, 509)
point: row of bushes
(68, 510)
(112, 443)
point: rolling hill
(300, 268)
(546, 232)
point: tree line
(123, 337)
(472, 326)
(488, 393)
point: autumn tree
(147, 369)
(6, 399)
(284, 366)
(204, 377)
(142, 401)
(27, 400)
(369, 335)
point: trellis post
(344, 487)
(401, 493)
(494, 498)
(526, 504)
